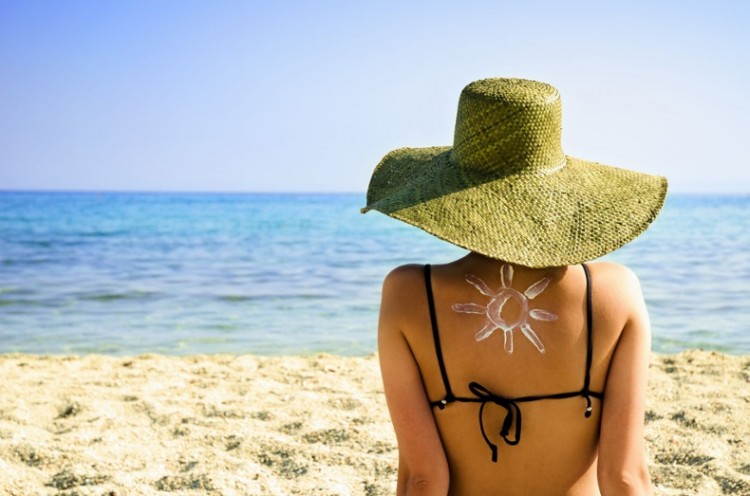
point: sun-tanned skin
(561, 452)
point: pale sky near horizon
(188, 95)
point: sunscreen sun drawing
(494, 309)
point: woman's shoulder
(615, 275)
(404, 277)
(617, 288)
(403, 289)
(407, 270)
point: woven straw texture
(506, 189)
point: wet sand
(247, 425)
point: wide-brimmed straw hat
(505, 188)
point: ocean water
(129, 273)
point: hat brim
(576, 212)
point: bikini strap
(589, 345)
(436, 336)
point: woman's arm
(622, 468)
(423, 468)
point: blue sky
(307, 96)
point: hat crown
(506, 126)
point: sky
(287, 96)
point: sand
(247, 425)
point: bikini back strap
(589, 344)
(436, 336)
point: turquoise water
(123, 273)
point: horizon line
(179, 191)
(269, 192)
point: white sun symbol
(494, 309)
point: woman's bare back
(544, 313)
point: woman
(517, 369)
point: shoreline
(318, 424)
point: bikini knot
(512, 416)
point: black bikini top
(483, 396)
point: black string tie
(587, 413)
(513, 413)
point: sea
(276, 274)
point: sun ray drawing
(493, 310)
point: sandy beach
(318, 425)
